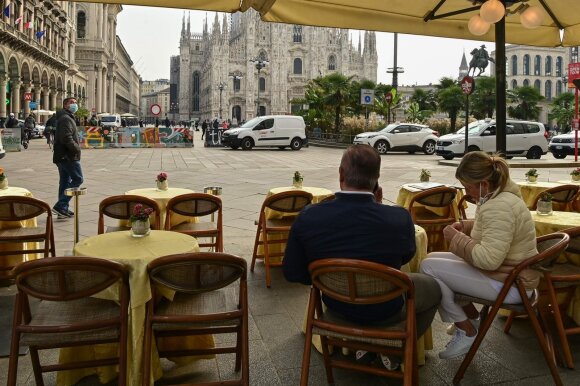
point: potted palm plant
(544, 206)
(297, 180)
(575, 174)
(425, 175)
(532, 175)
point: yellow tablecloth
(554, 223)
(135, 253)
(424, 342)
(162, 197)
(406, 194)
(318, 194)
(530, 190)
(10, 261)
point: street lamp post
(259, 63)
(237, 82)
(221, 86)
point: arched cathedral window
(262, 84)
(81, 24)
(297, 66)
(332, 62)
(297, 35)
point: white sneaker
(474, 322)
(458, 345)
(390, 363)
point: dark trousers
(427, 299)
(70, 176)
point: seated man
(356, 225)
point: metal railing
(317, 135)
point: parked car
(409, 137)
(562, 145)
(2, 151)
(523, 138)
(38, 131)
(270, 130)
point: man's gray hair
(361, 165)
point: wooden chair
(121, 207)
(204, 303)
(289, 204)
(360, 282)
(67, 315)
(563, 278)
(328, 198)
(549, 247)
(563, 195)
(19, 208)
(198, 205)
(464, 200)
(442, 198)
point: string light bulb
(477, 26)
(492, 11)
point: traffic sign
(367, 96)
(573, 73)
(7, 101)
(389, 97)
(155, 109)
(575, 123)
(27, 96)
(467, 85)
(32, 105)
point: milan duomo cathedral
(243, 66)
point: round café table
(135, 253)
(555, 222)
(162, 197)
(530, 190)
(12, 260)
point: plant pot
(162, 185)
(532, 178)
(544, 208)
(297, 184)
(575, 177)
(424, 179)
(4, 183)
(140, 228)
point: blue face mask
(73, 107)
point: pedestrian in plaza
(49, 128)
(203, 128)
(167, 123)
(93, 121)
(11, 122)
(384, 234)
(29, 125)
(67, 156)
(483, 251)
(141, 122)
(196, 125)
(156, 122)
(555, 129)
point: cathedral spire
(183, 25)
(205, 24)
(359, 43)
(463, 68)
(225, 26)
(189, 24)
(216, 26)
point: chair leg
(568, 360)
(245, 350)
(256, 242)
(509, 322)
(326, 357)
(267, 260)
(238, 349)
(36, 368)
(13, 363)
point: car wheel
(534, 153)
(472, 148)
(281, 147)
(448, 157)
(429, 147)
(559, 155)
(296, 144)
(382, 147)
(247, 144)
(234, 147)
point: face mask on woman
(483, 199)
(73, 107)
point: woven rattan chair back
(206, 302)
(461, 205)
(19, 208)
(288, 202)
(549, 249)
(439, 197)
(197, 272)
(574, 244)
(360, 282)
(564, 195)
(67, 315)
(193, 205)
(121, 207)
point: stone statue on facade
(479, 60)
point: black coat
(11, 123)
(66, 138)
(352, 226)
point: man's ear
(340, 176)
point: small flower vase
(532, 178)
(140, 228)
(297, 183)
(424, 178)
(576, 177)
(4, 183)
(162, 185)
(544, 208)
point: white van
(2, 151)
(113, 120)
(270, 130)
(523, 138)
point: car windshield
(389, 128)
(108, 119)
(252, 122)
(474, 128)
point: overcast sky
(151, 36)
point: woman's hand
(450, 231)
(458, 225)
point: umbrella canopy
(443, 18)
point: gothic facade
(215, 74)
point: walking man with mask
(67, 156)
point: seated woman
(482, 251)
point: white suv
(409, 137)
(523, 138)
(562, 145)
